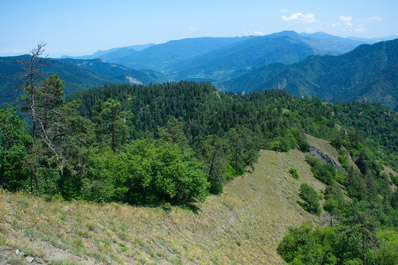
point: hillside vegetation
(179, 144)
(76, 75)
(243, 225)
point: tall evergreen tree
(111, 123)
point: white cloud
(345, 19)
(308, 18)
(254, 33)
(347, 23)
(374, 18)
(284, 11)
(13, 51)
(258, 33)
(360, 29)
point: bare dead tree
(32, 67)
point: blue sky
(78, 27)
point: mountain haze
(217, 59)
(285, 47)
(76, 74)
(160, 57)
(366, 73)
(114, 53)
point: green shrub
(331, 245)
(324, 172)
(311, 199)
(145, 172)
(343, 161)
(341, 178)
(387, 252)
(294, 173)
(305, 245)
(394, 179)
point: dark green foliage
(394, 200)
(173, 132)
(342, 244)
(337, 141)
(214, 151)
(110, 121)
(145, 172)
(394, 179)
(14, 144)
(243, 149)
(335, 202)
(372, 205)
(324, 172)
(305, 245)
(311, 199)
(343, 161)
(367, 164)
(294, 173)
(387, 253)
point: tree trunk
(113, 137)
(1, 178)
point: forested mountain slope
(159, 57)
(221, 58)
(366, 73)
(171, 147)
(285, 47)
(76, 74)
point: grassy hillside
(242, 226)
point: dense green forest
(179, 142)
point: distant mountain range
(369, 72)
(236, 59)
(374, 40)
(220, 59)
(76, 74)
(162, 56)
(317, 64)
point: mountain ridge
(222, 58)
(334, 78)
(76, 74)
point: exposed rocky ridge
(325, 158)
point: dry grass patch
(242, 226)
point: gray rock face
(325, 158)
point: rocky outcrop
(325, 158)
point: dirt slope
(242, 226)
